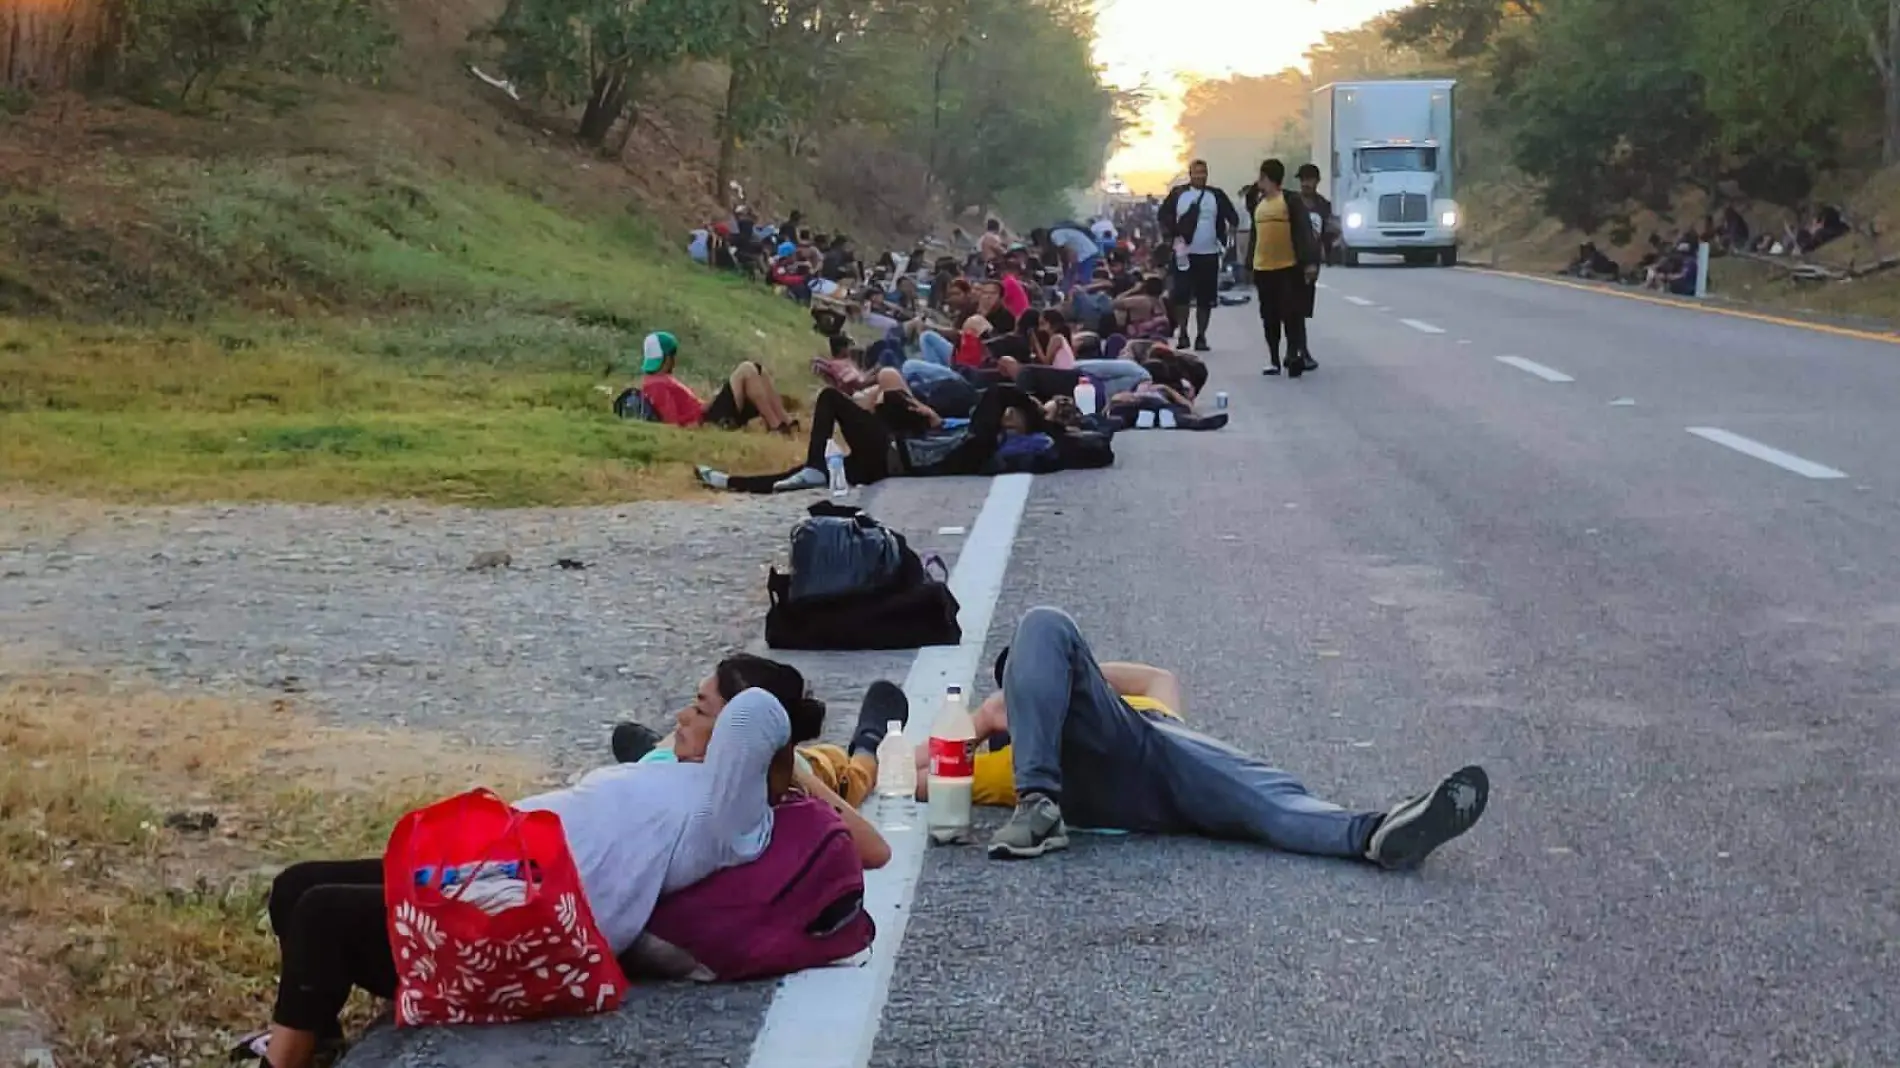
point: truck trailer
(1386, 151)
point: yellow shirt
(995, 782)
(1274, 248)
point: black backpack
(861, 587)
(633, 404)
(839, 550)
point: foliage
(1610, 106)
(482, 337)
(948, 82)
(185, 45)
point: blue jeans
(1081, 272)
(1074, 739)
(1116, 376)
(936, 348)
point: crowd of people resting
(1674, 266)
(973, 364)
(1068, 741)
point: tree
(598, 53)
(1883, 50)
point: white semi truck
(1386, 152)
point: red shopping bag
(487, 919)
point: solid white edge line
(1422, 326)
(1548, 374)
(829, 1017)
(1787, 461)
(1361, 301)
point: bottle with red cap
(952, 771)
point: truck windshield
(1397, 158)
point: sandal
(790, 428)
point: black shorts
(728, 412)
(1199, 285)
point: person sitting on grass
(1103, 745)
(694, 819)
(747, 395)
(848, 771)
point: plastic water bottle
(952, 770)
(834, 471)
(896, 766)
(1085, 395)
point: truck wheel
(1349, 257)
(1448, 257)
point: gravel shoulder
(373, 617)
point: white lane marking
(1464, 341)
(1422, 326)
(829, 1017)
(1548, 374)
(1787, 461)
(1361, 301)
(1321, 285)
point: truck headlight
(1448, 219)
(1354, 220)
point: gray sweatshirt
(641, 830)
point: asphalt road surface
(1637, 560)
(1677, 660)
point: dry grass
(141, 942)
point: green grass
(341, 335)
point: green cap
(654, 353)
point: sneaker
(1033, 829)
(1415, 827)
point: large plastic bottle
(896, 765)
(952, 770)
(834, 471)
(1085, 394)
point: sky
(1163, 43)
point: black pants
(332, 932)
(865, 435)
(1199, 285)
(1283, 304)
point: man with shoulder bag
(1197, 219)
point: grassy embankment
(314, 329)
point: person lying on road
(847, 772)
(1103, 745)
(694, 819)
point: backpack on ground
(856, 584)
(633, 404)
(838, 550)
(799, 905)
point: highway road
(1678, 655)
(1636, 559)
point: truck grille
(1403, 208)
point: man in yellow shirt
(1285, 262)
(1104, 744)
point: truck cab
(1389, 144)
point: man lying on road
(1103, 745)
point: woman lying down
(696, 818)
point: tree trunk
(54, 44)
(728, 131)
(936, 120)
(626, 133)
(604, 107)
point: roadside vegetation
(1607, 120)
(260, 249)
(140, 833)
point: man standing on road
(1286, 262)
(1326, 228)
(1196, 218)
